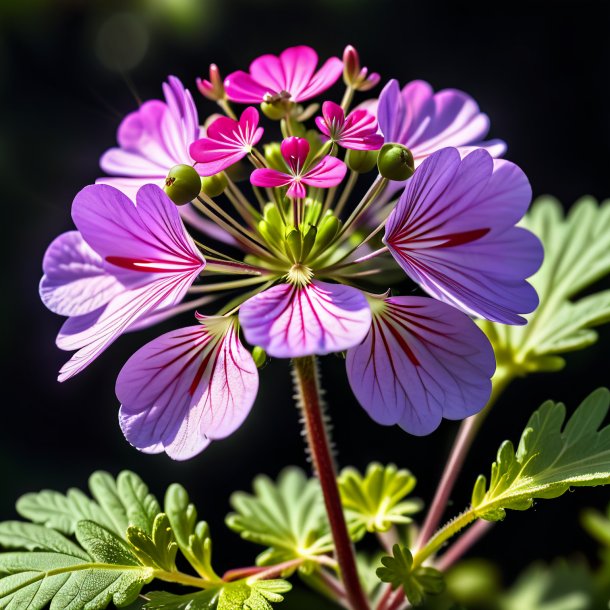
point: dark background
(540, 70)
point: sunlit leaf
(551, 458)
(577, 255)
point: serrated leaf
(202, 600)
(192, 537)
(550, 458)
(577, 254)
(377, 501)
(19, 535)
(398, 570)
(256, 595)
(288, 516)
(158, 550)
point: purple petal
(421, 361)
(75, 281)
(391, 112)
(147, 237)
(269, 178)
(329, 172)
(187, 388)
(320, 318)
(452, 232)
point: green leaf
(398, 571)
(203, 600)
(158, 550)
(288, 516)
(550, 459)
(192, 537)
(376, 501)
(18, 535)
(577, 254)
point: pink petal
(320, 318)
(267, 70)
(295, 151)
(147, 237)
(421, 361)
(333, 114)
(296, 190)
(452, 231)
(241, 87)
(324, 78)
(269, 178)
(298, 65)
(187, 388)
(75, 281)
(329, 172)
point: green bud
(312, 211)
(361, 161)
(275, 110)
(259, 355)
(272, 216)
(327, 230)
(270, 233)
(214, 185)
(309, 240)
(291, 127)
(295, 245)
(395, 162)
(273, 156)
(182, 184)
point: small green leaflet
(287, 516)
(117, 504)
(398, 571)
(550, 458)
(377, 501)
(577, 255)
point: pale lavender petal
(186, 388)
(421, 361)
(269, 178)
(329, 172)
(75, 281)
(147, 237)
(452, 231)
(320, 318)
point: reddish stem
(306, 381)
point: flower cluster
(307, 271)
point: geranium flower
(357, 131)
(328, 172)
(307, 268)
(289, 76)
(227, 141)
(124, 263)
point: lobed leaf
(550, 458)
(577, 255)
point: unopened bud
(395, 162)
(275, 110)
(259, 355)
(361, 161)
(182, 184)
(214, 185)
(273, 156)
(294, 241)
(213, 88)
(351, 65)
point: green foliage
(550, 458)
(375, 501)
(122, 542)
(287, 516)
(577, 255)
(398, 571)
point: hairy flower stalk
(262, 241)
(308, 395)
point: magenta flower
(227, 142)
(186, 388)
(420, 361)
(290, 76)
(152, 140)
(452, 231)
(357, 131)
(125, 262)
(425, 121)
(325, 174)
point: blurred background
(70, 70)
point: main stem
(310, 401)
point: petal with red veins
(187, 388)
(320, 318)
(421, 361)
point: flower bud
(213, 88)
(361, 161)
(294, 241)
(214, 185)
(259, 355)
(182, 184)
(275, 110)
(395, 162)
(273, 156)
(351, 65)
(327, 230)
